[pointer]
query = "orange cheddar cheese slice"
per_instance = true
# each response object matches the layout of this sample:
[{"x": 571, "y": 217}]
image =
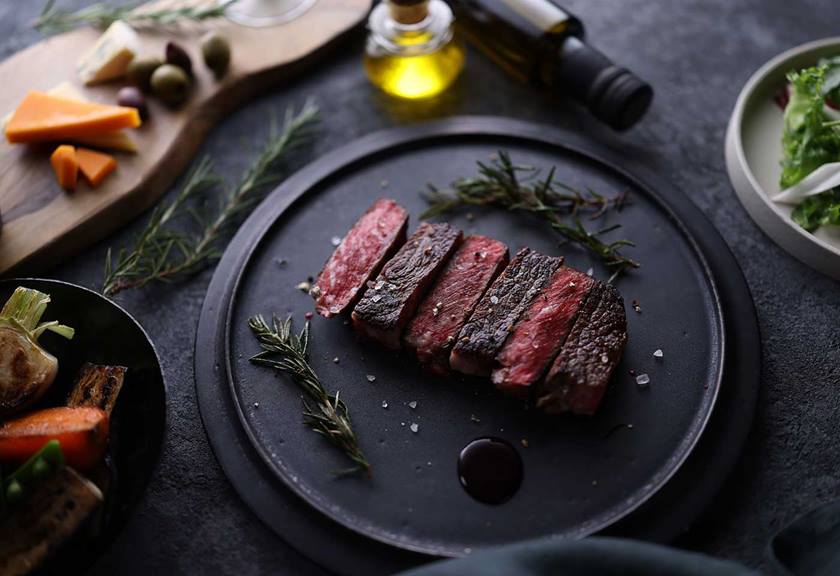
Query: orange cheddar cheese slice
[
  {"x": 64, "y": 165},
  {"x": 43, "y": 117},
  {"x": 94, "y": 166}
]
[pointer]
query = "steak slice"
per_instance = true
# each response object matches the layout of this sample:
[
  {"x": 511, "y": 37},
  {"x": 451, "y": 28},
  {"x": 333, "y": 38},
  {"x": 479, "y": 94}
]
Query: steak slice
[
  {"x": 445, "y": 309},
  {"x": 578, "y": 377},
  {"x": 541, "y": 331},
  {"x": 485, "y": 332},
  {"x": 373, "y": 239},
  {"x": 390, "y": 301}
]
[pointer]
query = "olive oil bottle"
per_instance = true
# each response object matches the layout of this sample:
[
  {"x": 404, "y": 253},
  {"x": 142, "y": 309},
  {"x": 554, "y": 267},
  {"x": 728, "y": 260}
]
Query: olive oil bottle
[
  {"x": 412, "y": 51},
  {"x": 540, "y": 42}
]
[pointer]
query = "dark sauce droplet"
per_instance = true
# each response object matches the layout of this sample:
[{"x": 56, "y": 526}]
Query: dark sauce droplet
[{"x": 490, "y": 470}]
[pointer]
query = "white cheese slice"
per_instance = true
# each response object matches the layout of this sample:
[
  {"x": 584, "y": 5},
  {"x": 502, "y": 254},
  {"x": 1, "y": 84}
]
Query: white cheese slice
[{"x": 110, "y": 56}]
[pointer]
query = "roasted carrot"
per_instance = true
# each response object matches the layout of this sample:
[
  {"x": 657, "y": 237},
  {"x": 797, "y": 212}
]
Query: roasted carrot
[
  {"x": 81, "y": 432},
  {"x": 65, "y": 166}
]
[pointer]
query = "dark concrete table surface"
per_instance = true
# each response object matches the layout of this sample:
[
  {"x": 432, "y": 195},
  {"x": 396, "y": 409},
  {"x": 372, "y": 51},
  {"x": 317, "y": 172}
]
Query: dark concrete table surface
[{"x": 697, "y": 54}]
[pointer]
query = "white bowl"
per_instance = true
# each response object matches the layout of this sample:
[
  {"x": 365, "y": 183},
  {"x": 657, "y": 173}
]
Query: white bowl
[{"x": 754, "y": 152}]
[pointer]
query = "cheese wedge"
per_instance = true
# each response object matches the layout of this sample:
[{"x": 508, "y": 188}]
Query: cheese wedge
[
  {"x": 94, "y": 166},
  {"x": 65, "y": 166},
  {"x": 43, "y": 118},
  {"x": 114, "y": 140},
  {"x": 109, "y": 58}
]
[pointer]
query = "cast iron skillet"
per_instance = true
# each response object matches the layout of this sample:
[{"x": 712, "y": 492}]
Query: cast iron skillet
[
  {"x": 582, "y": 476},
  {"x": 105, "y": 334}
]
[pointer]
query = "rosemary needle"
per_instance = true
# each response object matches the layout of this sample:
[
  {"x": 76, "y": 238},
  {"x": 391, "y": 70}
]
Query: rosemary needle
[
  {"x": 163, "y": 253},
  {"x": 503, "y": 184},
  {"x": 324, "y": 413},
  {"x": 53, "y": 20}
]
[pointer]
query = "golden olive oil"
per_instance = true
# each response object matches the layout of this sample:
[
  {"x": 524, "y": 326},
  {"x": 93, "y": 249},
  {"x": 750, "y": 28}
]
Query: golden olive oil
[{"x": 412, "y": 51}]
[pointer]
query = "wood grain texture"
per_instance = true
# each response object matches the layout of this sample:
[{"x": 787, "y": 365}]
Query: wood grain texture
[{"x": 43, "y": 224}]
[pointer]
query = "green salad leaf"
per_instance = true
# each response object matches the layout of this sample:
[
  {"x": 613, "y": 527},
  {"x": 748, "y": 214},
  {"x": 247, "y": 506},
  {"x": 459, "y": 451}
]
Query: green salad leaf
[
  {"x": 810, "y": 139},
  {"x": 820, "y": 210},
  {"x": 831, "y": 84}
]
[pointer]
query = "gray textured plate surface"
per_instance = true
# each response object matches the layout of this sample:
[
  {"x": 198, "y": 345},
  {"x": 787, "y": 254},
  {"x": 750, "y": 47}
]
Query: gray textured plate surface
[
  {"x": 581, "y": 475},
  {"x": 754, "y": 150}
]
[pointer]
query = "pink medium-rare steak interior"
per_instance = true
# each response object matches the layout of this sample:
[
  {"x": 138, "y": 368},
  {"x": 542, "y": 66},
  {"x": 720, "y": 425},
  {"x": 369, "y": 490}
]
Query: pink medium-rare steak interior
[
  {"x": 578, "y": 377},
  {"x": 450, "y": 301},
  {"x": 483, "y": 335},
  {"x": 541, "y": 331},
  {"x": 374, "y": 238},
  {"x": 391, "y": 300}
]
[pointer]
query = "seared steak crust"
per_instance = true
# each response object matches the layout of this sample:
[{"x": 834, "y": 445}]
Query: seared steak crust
[
  {"x": 541, "y": 331},
  {"x": 373, "y": 239},
  {"x": 485, "y": 332},
  {"x": 578, "y": 377},
  {"x": 391, "y": 300},
  {"x": 450, "y": 301}
]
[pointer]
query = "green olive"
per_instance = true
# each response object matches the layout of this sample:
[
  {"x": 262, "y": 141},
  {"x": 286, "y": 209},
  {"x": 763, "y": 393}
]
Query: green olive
[
  {"x": 140, "y": 71},
  {"x": 171, "y": 84},
  {"x": 216, "y": 51}
]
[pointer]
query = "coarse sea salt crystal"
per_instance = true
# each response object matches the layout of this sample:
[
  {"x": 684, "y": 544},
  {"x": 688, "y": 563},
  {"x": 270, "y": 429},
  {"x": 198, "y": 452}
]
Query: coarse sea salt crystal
[
  {"x": 412, "y": 404},
  {"x": 335, "y": 240},
  {"x": 642, "y": 379},
  {"x": 384, "y": 403},
  {"x": 371, "y": 378},
  {"x": 414, "y": 427},
  {"x": 658, "y": 353}
]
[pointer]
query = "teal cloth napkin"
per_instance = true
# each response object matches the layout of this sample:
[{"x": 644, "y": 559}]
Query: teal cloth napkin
[
  {"x": 587, "y": 557},
  {"x": 810, "y": 545}
]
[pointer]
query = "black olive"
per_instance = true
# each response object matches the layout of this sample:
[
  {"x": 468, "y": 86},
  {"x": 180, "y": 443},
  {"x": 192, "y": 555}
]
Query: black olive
[{"x": 132, "y": 97}]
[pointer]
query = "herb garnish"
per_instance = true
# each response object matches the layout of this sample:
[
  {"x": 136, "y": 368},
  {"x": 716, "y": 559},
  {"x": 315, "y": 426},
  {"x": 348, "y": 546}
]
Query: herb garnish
[
  {"x": 810, "y": 140},
  {"x": 100, "y": 15},
  {"x": 503, "y": 184},
  {"x": 163, "y": 254},
  {"x": 286, "y": 352}
]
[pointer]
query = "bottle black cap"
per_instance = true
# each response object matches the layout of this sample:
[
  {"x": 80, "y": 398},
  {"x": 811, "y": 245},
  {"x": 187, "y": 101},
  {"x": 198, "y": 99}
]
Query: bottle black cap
[{"x": 612, "y": 94}]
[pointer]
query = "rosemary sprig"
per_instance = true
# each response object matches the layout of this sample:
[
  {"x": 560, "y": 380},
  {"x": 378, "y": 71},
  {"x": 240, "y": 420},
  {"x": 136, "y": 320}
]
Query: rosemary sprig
[
  {"x": 503, "y": 184},
  {"x": 163, "y": 253},
  {"x": 54, "y": 20},
  {"x": 324, "y": 413}
]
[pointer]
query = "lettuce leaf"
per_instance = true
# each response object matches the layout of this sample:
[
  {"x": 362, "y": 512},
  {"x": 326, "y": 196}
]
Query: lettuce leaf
[
  {"x": 820, "y": 210},
  {"x": 807, "y": 141}
]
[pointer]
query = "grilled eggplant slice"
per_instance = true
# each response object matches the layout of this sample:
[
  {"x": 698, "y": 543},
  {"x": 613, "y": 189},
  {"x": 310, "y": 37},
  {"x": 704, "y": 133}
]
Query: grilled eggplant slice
[
  {"x": 48, "y": 517},
  {"x": 97, "y": 386}
]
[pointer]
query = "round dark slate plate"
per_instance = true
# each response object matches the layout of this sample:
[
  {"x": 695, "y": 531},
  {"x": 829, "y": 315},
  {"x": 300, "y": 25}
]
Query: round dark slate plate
[
  {"x": 105, "y": 334},
  {"x": 581, "y": 475}
]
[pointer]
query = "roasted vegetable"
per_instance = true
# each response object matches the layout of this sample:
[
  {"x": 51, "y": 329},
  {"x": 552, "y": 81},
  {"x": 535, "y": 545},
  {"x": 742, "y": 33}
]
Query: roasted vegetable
[
  {"x": 50, "y": 516},
  {"x": 81, "y": 432},
  {"x": 26, "y": 369},
  {"x": 97, "y": 386},
  {"x": 44, "y": 464}
]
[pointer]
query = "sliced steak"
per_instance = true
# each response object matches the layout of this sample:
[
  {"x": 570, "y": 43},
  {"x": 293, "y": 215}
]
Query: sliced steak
[
  {"x": 541, "y": 331},
  {"x": 445, "y": 309},
  {"x": 374, "y": 238},
  {"x": 482, "y": 337},
  {"x": 390, "y": 300},
  {"x": 578, "y": 377}
]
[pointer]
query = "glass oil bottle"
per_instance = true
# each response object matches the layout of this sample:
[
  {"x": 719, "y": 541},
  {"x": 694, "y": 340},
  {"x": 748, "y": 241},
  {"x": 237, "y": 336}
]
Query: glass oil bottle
[{"x": 412, "y": 51}]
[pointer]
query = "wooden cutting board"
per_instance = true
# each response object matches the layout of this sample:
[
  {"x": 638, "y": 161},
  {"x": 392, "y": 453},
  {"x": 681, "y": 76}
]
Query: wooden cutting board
[{"x": 42, "y": 224}]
